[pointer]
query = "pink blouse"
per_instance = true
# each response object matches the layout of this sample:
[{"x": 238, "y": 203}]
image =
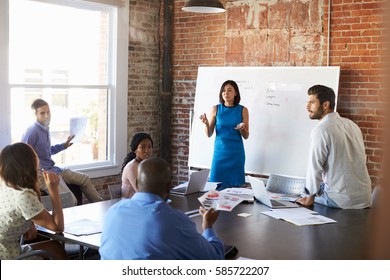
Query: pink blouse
[{"x": 129, "y": 176}]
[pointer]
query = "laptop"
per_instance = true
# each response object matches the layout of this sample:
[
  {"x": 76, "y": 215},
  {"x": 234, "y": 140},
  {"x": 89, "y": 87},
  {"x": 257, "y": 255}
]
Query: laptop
[
  {"x": 261, "y": 195},
  {"x": 196, "y": 183}
]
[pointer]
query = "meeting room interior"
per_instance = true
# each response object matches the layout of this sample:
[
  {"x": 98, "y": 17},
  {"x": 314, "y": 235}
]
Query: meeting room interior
[{"x": 120, "y": 67}]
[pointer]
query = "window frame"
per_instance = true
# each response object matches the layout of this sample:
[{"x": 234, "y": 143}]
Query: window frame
[{"x": 117, "y": 81}]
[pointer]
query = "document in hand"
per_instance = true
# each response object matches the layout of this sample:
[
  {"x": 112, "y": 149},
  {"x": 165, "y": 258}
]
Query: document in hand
[
  {"x": 219, "y": 200},
  {"x": 245, "y": 193}
]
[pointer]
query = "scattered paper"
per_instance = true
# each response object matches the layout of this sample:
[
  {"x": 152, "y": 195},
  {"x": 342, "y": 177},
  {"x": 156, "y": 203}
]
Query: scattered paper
[
  {"x": 219, "y": 200},
  {"x": 83, "y": 227},
  {"x": 244, "y": 259},
  {"x": 211, "y": 186},
  {"x": 245, "y": 215},
  {"x": 244, "y": 193},
  {"x": 299, "y": 216}
]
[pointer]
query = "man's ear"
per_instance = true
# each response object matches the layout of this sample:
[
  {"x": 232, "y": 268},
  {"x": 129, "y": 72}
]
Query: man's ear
[{"x": 326, "y": 105}]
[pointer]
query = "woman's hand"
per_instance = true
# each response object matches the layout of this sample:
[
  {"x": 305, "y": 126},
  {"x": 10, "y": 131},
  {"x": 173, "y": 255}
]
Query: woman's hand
[
  {"x": 243, "y": 130},
  {"x": 204, "y": 119},
  {"x": 52, "y": 180},
  {"x": 240, "y": 126}
]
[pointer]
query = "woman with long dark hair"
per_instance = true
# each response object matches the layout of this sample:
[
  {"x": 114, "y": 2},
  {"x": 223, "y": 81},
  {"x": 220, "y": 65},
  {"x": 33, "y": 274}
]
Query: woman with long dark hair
[
  {"x": 141, "y": 148},
  {"x": 20, "y": 203}
]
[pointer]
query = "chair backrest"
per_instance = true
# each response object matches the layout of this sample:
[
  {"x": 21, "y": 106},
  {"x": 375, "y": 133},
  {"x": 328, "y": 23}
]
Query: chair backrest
[
  {"x": 115, "y": 191},
  {"x": 285, "y": 184},
  {"x": 66, "y": 199}
]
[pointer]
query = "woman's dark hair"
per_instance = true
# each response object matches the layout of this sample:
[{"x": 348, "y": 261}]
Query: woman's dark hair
[
  {"x": 18, "y": 167},
  {"x": 237, "y": 98},
  {"x": 137, "y": 138}
]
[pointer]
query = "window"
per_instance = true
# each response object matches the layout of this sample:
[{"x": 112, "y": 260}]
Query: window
[{"x": 73, "y": 54}]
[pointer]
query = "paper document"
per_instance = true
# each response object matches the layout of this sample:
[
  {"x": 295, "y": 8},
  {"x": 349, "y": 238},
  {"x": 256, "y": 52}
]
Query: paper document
[
  {"x": 211, "y": 186},
  {"x": 83, "y": 227},
  {"x": 245, "y": 193},
  {"x": 219, "y": 200},
  {"x": 77, "y": 128},
  {"x": 299, "y": 216}
]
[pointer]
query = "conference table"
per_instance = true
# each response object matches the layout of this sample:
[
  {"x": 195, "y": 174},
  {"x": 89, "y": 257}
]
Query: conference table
[{"x": 256, "y": 236}]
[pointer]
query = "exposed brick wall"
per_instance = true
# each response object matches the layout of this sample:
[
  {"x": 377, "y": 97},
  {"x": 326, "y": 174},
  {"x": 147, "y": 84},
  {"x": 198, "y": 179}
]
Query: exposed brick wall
[
  {"x": 357, "y": 45},
  {"x": 144, "y": 60},
  {"x": 198, "y": 40},
  {"x": 277, "y": 33},
  {"x": 257, "y": 33},
  {"x": 274, "y": 33},
  {"x": 143, "y": 72}
]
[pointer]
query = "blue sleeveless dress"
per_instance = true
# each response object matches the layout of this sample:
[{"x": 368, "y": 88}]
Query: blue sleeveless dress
[{"x": 228, "y": 165}]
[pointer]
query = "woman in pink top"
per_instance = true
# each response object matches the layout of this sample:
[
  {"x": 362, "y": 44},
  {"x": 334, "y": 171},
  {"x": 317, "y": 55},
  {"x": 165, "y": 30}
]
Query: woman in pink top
[{"x": 141, "y": 148}]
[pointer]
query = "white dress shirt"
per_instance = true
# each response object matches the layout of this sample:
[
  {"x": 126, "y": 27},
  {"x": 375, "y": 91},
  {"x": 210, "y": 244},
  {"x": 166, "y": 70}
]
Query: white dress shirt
[{"x": 337, "y": 157}]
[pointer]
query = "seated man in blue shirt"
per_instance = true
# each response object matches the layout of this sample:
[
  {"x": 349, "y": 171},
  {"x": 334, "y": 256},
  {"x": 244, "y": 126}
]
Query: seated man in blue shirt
[
  {"x": 146, "y": 227},
  {"x": 38, "y": 137}
]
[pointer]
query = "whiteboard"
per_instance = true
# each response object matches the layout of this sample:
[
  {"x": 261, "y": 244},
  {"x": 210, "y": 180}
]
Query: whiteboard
[{"x": 279, "y": 125}]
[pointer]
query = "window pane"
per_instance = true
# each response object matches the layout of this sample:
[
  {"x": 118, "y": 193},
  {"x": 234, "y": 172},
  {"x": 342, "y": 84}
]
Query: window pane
[
  {"x": 86, "y": 107},
  {"x": 53, "y": 44},
  {"x": 60, "y": 53}
]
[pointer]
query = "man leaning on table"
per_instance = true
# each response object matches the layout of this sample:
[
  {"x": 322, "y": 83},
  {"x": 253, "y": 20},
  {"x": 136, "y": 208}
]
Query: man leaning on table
[
  {"x": 337, "y": 174},
  {"x": 146, "y": 227}
]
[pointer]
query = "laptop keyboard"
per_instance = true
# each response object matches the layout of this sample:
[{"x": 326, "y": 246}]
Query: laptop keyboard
[
  {"x": 181, "y": 189},
  {"x": 276, "y": 203}
]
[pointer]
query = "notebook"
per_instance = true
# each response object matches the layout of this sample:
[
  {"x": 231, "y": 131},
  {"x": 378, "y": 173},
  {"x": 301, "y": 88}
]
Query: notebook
[
  {"x": 261, "y": 195},
  {"x": 196, "y": 183}
]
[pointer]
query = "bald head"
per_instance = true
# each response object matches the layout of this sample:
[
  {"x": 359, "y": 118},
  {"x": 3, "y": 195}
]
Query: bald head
[{"x": 154, "y": 176}]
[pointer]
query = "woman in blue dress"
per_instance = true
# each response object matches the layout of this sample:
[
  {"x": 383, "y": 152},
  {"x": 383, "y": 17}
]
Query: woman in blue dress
[{"x": 231, "y": 123}]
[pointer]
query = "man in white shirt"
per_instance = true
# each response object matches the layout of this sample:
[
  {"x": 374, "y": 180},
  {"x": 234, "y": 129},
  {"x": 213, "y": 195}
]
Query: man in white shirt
[{"x": 337, "y": 174}]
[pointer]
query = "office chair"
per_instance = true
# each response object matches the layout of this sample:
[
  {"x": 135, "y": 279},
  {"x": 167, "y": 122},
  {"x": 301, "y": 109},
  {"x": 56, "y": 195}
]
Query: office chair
[
  {"x": 115, "y": 191},
  {"x": 286, "y": 185},
  {"x": 41, "y": 254},
  {"x": 66, "y": 199}
]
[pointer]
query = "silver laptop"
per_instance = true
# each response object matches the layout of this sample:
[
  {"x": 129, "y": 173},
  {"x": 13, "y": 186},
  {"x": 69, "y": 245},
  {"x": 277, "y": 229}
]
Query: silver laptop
[
  {"x": 261, "y": 195},
  {"x": 196, "y": 183}
]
